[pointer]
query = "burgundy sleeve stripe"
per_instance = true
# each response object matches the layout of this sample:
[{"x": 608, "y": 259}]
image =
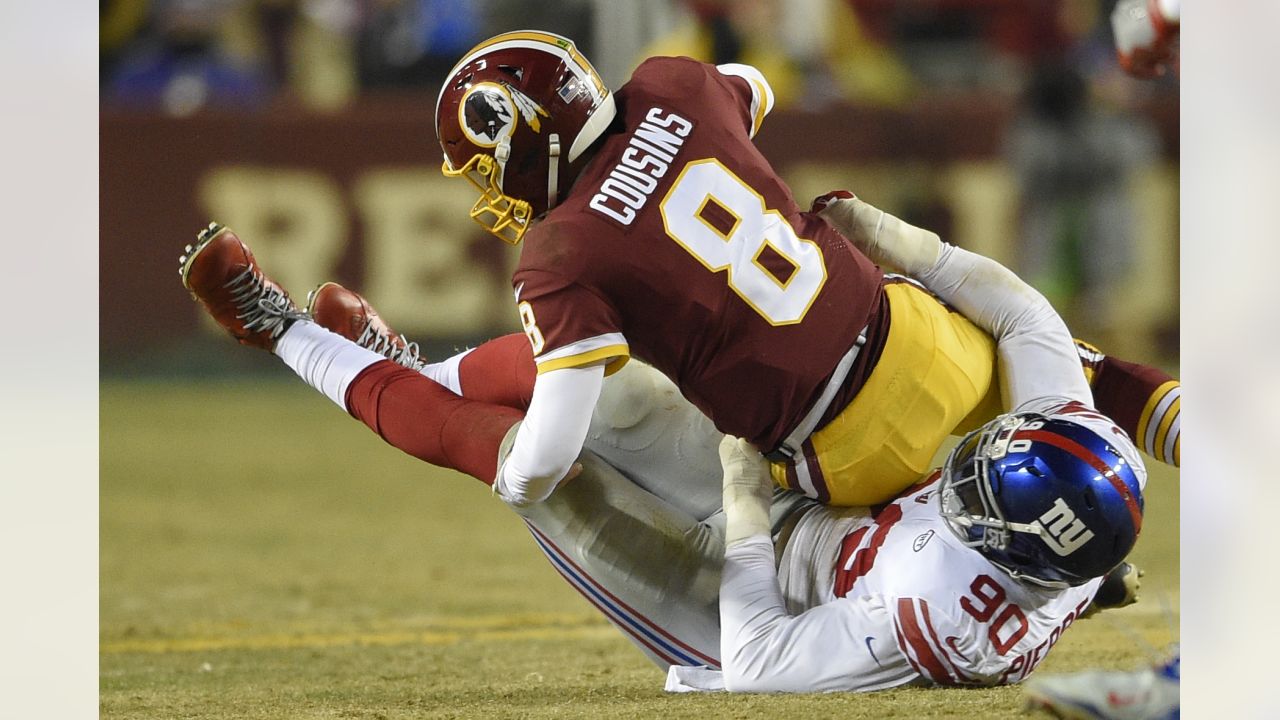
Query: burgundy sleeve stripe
[
  {"x": 816, "y": 476},
  {"x": 804, "y": 474},
  {"x": 1095, "y": 462},
  {"x": 929, "y": 660},
  {"x": 937, "y": 644}
]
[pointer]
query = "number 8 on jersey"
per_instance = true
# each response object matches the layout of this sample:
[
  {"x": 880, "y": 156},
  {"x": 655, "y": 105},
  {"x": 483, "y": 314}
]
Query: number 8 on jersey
[{"x": 754, "y": 229}]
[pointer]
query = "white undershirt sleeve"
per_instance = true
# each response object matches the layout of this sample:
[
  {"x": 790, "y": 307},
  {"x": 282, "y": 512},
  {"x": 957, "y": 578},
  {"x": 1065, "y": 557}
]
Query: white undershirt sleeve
[
  {"x": 551, "y": 436},
  {"x": 1037, "y": 353},
  {"x": 842, "y": 645}
]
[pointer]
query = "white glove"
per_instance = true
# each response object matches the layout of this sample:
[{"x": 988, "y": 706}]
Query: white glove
[
  {"x": 748, "y": 491},
  {"x": 880, "y": 236}
]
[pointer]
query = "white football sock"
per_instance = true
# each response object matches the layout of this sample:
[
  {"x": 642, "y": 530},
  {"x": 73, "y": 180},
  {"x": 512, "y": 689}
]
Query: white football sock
[
  {"x": 445, "y": 372},
  {"x": 326, "y": 361}
]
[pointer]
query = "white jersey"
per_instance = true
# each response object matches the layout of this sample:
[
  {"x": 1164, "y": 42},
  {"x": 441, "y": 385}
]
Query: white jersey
[
  {"x": 880, "y": 598},
  {"x": 875, "y": 598},
  {"x": 906, "y": 602}
]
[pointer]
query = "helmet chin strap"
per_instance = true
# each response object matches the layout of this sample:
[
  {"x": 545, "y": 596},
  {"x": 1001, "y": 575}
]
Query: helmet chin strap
[
  {"x": 553, "y": 170},
  {"x": 502, "y": 153}
]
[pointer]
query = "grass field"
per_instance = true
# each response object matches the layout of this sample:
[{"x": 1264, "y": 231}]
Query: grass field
[{"x": 265, "y": 556}]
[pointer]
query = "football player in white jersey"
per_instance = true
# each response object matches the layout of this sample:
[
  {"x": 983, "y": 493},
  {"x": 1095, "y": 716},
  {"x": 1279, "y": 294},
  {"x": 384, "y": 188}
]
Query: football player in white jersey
[{"x": 969, "y": 577}]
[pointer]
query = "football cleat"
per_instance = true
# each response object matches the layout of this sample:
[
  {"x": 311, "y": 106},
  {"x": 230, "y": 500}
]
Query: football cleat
[
  {"x": 1147, "y": 694},
  {"x": 346, "y": 313},
  {"x": 220, "y": 272}
]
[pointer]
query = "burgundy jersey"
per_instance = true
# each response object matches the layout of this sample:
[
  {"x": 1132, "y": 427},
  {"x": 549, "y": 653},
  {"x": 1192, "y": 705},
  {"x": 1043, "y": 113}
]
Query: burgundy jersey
[{"x": 679, "y": 244}]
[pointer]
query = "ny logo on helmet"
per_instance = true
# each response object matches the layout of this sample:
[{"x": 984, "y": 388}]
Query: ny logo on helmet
[{"x": 1063, "y": 532}]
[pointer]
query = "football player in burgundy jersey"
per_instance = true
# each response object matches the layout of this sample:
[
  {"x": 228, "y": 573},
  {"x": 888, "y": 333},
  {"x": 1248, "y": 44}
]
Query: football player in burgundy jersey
[
  {"x": 969, "y": 577},
  {"x": 653, "y": 227}
]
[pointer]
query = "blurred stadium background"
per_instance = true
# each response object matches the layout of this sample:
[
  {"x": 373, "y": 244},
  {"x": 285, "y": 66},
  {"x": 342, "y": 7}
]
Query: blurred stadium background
[
  {"x": 1005, "y": 125},
  {"x": 317, "y": 573}
]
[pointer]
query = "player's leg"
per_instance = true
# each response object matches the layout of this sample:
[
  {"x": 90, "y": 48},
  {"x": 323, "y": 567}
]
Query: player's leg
[
  {"x": 405, "y": 408},
  {"x": 426, "y": 420},
  {"x": 639, "y": 409},
  {"x": 650, "y": 569},
  {"x": 500, "y": 371},
  {"x": 1144, "y": 401},
  {"x": 648, "y": 565}
]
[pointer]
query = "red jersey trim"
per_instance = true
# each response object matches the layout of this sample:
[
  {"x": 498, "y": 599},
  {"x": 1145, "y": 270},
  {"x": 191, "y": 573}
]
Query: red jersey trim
[{"x": 909, "y": 626}]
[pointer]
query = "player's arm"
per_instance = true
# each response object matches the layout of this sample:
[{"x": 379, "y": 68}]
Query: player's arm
[
  {"x": 762, "y": 648},
  {"x": 1038, "y": 356},
  {"x": 574, "y": 346},
  {"x": 552, "y": 434},
  {"x": 846, "y": 645},
  {"x": 751, "y": 91}
]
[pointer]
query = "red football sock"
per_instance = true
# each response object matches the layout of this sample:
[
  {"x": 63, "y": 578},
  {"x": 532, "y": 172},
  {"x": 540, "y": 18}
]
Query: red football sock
[
  {"x": 500, "y": 371},
  {"x": 426, "y": 420}
]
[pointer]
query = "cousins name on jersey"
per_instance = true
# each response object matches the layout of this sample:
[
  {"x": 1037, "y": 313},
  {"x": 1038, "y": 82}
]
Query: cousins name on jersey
[{"x": 650, "y": 151}]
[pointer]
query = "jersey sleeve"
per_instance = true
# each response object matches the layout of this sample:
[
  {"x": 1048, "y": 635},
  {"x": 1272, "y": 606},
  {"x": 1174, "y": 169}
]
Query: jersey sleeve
[
  {"x": 752, "y": 92},
  {"x": 568, "y": 325},
  {"x": 940, "y": 647},
  {"x": 847, "y": 645}
]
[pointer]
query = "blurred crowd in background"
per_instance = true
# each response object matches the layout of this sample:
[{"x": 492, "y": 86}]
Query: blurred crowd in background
[
  {"x": 183, "y": 55},
  {"x": 1079, "y": 129}
]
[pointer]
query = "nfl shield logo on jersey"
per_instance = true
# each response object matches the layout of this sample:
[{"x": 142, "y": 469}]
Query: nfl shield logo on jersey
[{"x": 1063, "y": 532}]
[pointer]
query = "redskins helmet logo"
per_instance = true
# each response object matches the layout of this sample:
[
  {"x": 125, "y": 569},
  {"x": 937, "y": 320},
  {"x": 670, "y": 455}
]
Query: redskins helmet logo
[{"x": 488, "y": 113}]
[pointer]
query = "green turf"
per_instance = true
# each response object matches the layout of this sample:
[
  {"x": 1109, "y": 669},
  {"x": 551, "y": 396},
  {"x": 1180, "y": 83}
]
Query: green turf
[{"x": 265, "y": 556}]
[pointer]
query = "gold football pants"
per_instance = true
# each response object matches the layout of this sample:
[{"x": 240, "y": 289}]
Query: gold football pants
[{"x": 936, "y": 376}]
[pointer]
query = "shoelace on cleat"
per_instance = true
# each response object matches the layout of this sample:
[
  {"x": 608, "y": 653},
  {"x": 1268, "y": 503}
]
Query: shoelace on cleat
[
  {"x": 381, "y": 343},
  {"x": 259, "y": 307}
]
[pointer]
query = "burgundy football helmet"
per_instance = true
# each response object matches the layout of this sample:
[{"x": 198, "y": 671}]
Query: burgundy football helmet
[{"x": 514, "y": 118}]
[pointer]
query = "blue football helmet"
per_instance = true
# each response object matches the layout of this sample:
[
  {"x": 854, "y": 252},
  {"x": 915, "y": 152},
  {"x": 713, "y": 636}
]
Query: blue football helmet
[{"x": 1053, "y": 499}]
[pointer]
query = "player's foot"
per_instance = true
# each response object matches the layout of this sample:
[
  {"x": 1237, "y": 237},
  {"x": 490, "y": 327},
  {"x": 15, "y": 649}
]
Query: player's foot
[
  {"x": 346, "y": 313},
  {"x": 1147, "y": 694},
  {"x": 1119, "y": 587},
  {"x": 221, "y": 273}
]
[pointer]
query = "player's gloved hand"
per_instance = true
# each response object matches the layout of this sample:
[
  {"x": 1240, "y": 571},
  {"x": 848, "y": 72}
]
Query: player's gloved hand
[
  {"x": 1146, "y": 39},
  {"x": 747, "y": 488},
  {"x": 880, "y": 236}
]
